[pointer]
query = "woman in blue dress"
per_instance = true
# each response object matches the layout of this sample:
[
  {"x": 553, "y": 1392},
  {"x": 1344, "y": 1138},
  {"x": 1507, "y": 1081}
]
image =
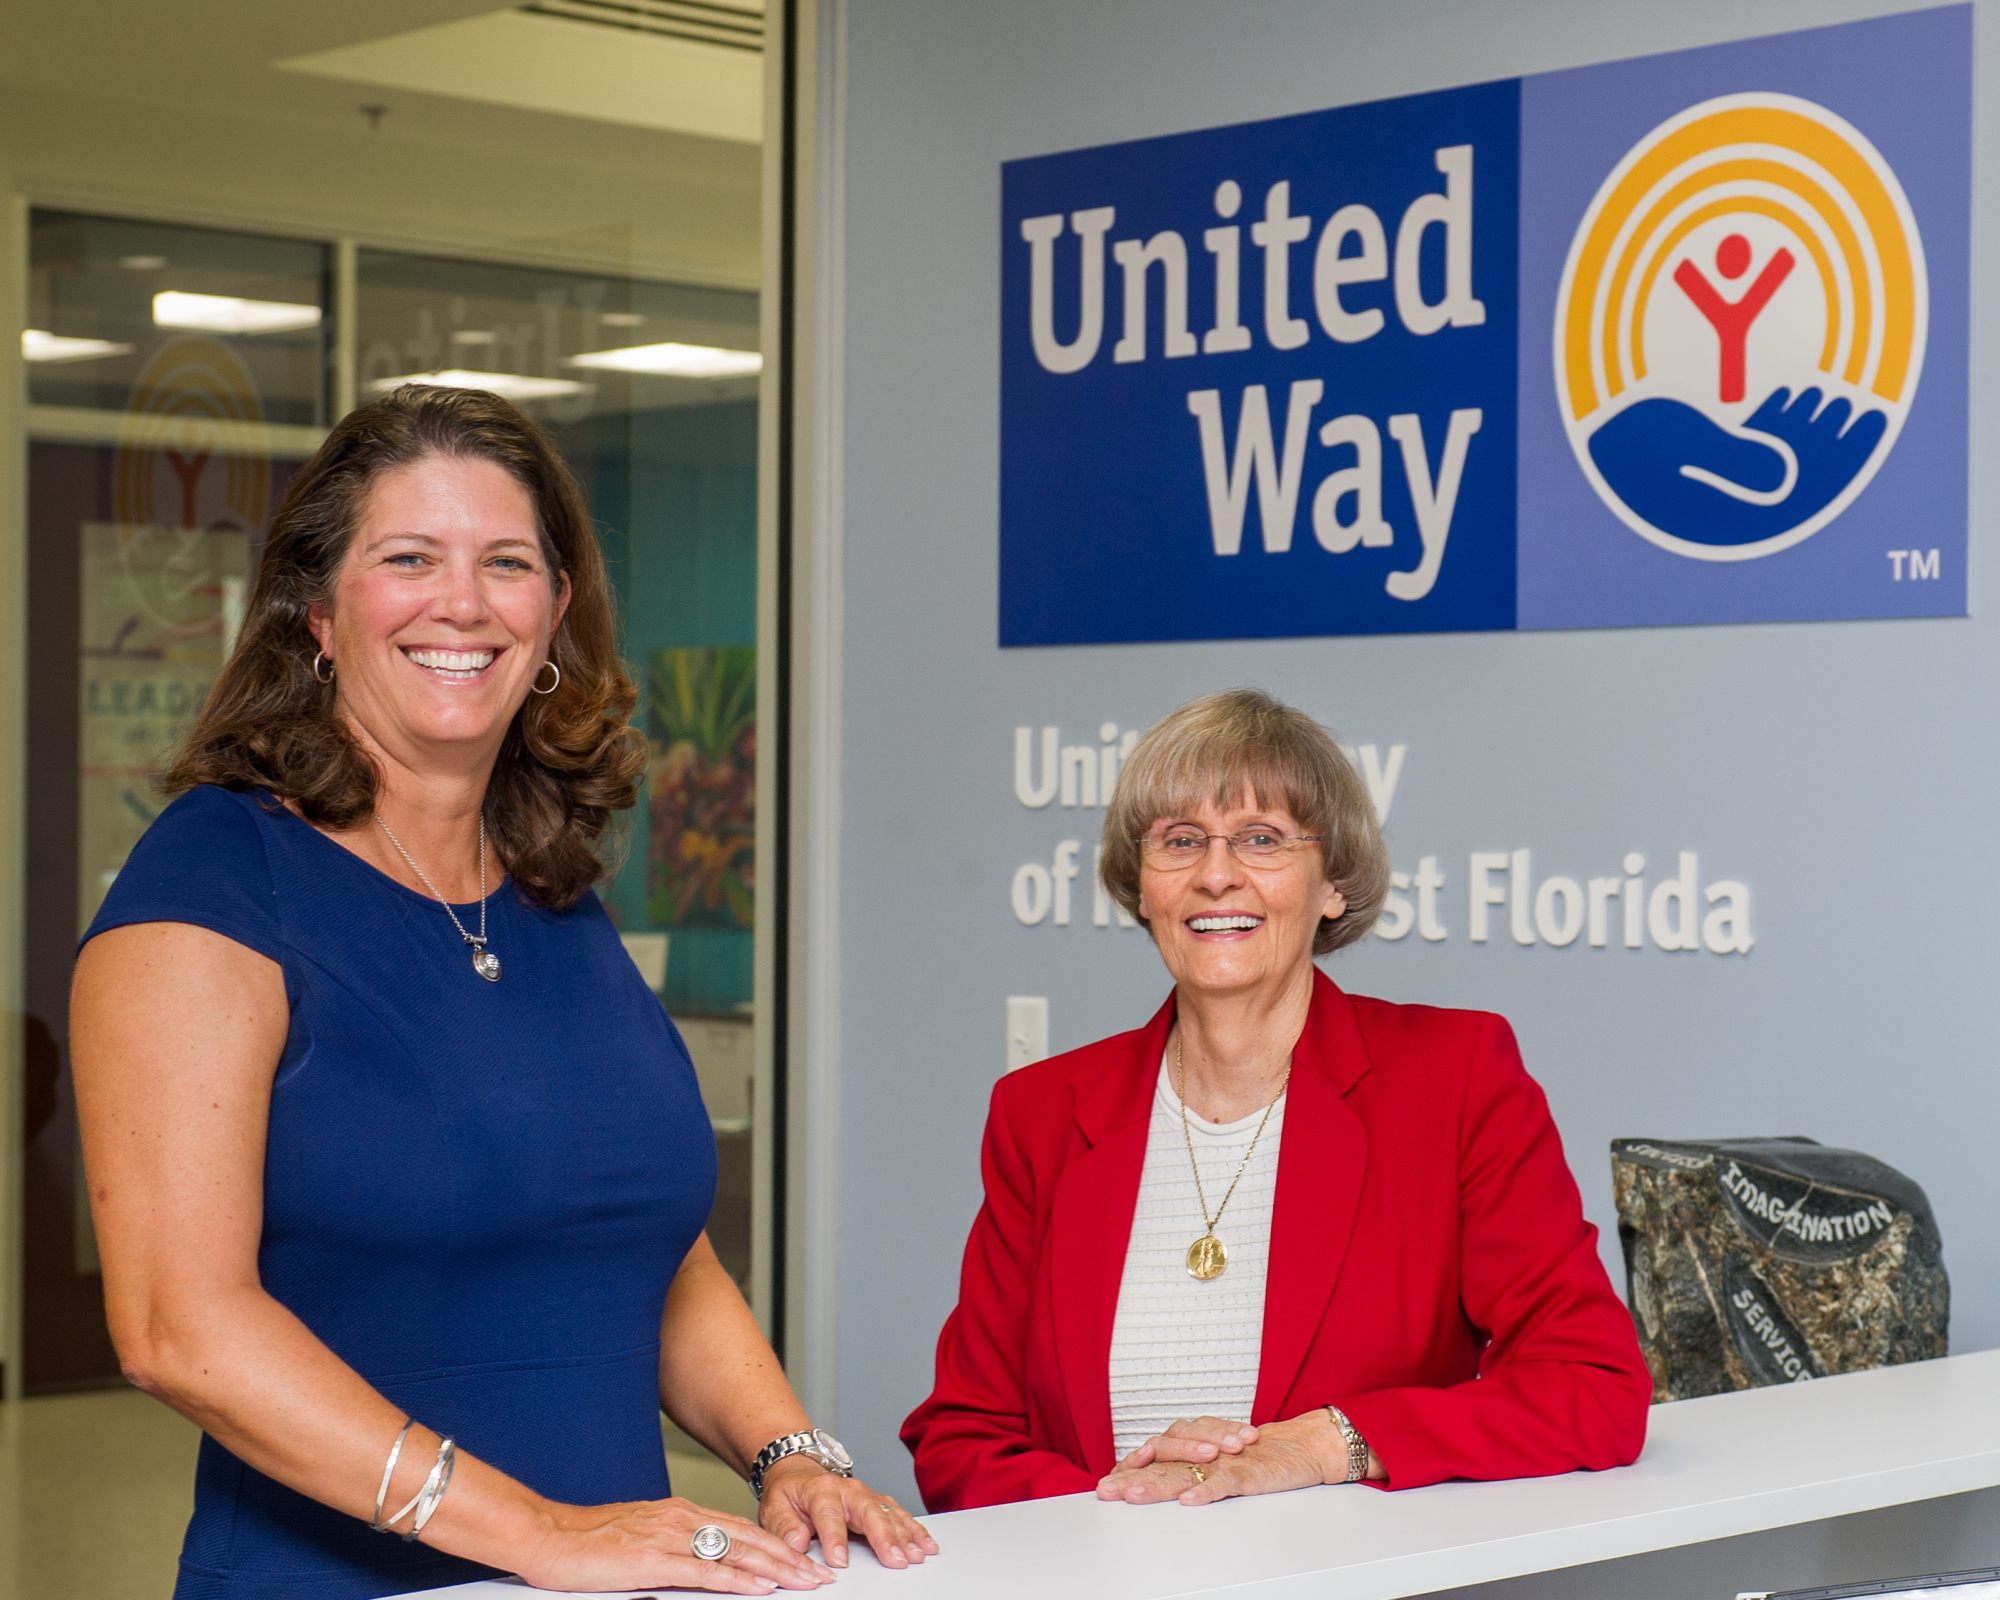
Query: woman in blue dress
[{"x": 399, "y": 1171}]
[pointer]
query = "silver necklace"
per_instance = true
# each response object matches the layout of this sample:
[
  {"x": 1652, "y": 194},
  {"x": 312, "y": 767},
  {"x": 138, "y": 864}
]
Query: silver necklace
[{"x": 484, "y": 961}]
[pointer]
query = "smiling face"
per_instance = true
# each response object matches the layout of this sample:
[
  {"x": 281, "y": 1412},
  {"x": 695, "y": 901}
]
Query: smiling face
[
  {"x": 442, "y": 611},
  {"x": 1224, "y": 927}
]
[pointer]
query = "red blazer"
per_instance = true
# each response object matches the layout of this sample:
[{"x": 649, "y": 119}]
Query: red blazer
[{"x": 1431, "y": 1272}]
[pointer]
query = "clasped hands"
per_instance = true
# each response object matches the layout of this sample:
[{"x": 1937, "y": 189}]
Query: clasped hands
[{"x": 1234, "y": 1458}]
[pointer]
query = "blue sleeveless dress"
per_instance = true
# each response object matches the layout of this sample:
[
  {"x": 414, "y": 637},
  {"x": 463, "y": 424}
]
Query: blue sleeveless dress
[{"x": 475, "y": 1193}]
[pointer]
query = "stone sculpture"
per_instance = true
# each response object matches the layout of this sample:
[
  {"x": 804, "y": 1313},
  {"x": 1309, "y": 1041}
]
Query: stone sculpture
[{"x": 1755, "y": 1261}]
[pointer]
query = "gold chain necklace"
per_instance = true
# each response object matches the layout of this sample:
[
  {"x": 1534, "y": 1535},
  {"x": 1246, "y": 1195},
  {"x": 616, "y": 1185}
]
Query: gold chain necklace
[{"x": 1208, "y": 1256}]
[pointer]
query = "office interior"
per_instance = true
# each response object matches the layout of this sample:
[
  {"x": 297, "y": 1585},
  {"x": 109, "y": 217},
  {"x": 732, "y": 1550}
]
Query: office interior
[
  {"x": 225, "y": 229},
  {"x": 739, "y": 257}
]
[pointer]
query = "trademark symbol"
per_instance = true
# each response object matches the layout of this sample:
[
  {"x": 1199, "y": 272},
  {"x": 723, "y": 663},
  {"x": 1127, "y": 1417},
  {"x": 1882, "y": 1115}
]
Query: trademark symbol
[{"x": 1923, "y": 563}]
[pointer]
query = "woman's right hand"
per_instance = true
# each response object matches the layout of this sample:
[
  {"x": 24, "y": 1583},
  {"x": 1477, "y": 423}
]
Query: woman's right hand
[
  {"x": 650, "y": 1544},
  {"x": 1192, "y": 1440}
]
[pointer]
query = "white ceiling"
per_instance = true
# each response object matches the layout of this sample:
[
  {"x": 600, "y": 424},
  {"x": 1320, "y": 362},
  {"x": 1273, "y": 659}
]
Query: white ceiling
[
  {"x": 573, "y": 68},
  {"x": 134, "y": 104}
]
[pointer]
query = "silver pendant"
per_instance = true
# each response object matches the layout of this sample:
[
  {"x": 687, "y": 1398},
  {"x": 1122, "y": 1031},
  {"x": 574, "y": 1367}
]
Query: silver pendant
[{"x": 487, "y": 965}]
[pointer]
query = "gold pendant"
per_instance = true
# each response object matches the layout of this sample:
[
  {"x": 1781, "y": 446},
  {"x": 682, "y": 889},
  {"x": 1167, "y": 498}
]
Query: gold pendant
[{"x": 1207, "y": 1258}]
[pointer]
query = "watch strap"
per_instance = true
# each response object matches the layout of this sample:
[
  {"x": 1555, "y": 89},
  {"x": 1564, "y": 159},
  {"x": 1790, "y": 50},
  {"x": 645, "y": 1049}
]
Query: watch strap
[
  {"x": 805, "y": 1442},
  {"x": 789, "y": 1444},
  {"x": 1357, "y": 1447}
]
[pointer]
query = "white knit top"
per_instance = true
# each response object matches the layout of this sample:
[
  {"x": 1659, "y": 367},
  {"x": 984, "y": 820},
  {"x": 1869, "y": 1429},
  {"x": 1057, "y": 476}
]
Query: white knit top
[{"x": 1181, "y": 1347}]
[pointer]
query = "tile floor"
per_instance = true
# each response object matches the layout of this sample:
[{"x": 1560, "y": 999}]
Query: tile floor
[
  {"x": 94, "y": 1493},
  {"x": 95, "y": 1488}
]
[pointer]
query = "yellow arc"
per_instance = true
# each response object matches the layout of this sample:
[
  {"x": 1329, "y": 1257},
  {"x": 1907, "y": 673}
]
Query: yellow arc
[
  {"x": 1778, "y": 175},
  {"x": 1748, "y": 125}
]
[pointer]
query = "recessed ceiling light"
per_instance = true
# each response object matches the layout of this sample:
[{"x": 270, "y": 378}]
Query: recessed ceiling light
[
  {"x": 475, "y": 336},
  {"x": 142, "y": 263},
  {"x": 620, "y": 319},
  {"x": 37, "y": 345},
  {"x": 674, "y": 361},
  {"x": 221, "y": 313},
  {"x": 509, "y": 385}
]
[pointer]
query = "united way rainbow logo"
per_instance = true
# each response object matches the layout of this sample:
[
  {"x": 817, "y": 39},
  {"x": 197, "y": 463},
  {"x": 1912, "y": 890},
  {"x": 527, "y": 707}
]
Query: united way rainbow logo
[{"x": 1740, "y": 328}]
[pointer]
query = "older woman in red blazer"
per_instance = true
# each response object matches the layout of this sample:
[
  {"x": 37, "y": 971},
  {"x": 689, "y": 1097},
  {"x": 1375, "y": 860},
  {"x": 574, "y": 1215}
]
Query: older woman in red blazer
[{"x": 1280, "y": 1235}]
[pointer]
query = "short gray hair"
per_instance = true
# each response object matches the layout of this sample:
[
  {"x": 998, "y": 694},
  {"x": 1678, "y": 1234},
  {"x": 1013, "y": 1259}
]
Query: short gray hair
[{"x": 1207, "y": 751}]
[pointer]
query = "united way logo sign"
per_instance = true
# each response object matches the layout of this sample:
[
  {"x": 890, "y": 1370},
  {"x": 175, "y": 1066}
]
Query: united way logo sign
[
  {"x": 1740, "y": 328},
  {"x": 1295, "y": 377}
]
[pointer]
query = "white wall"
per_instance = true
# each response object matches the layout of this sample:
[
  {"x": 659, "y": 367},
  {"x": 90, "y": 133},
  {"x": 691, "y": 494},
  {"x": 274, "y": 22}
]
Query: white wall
[{"x": 1845, "y": 771}]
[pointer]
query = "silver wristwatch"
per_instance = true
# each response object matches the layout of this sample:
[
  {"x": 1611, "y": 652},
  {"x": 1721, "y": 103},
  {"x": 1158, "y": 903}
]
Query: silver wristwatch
[
  {"x": 828, "y": 1451},
  {"x": 1357, "y": 1447}
]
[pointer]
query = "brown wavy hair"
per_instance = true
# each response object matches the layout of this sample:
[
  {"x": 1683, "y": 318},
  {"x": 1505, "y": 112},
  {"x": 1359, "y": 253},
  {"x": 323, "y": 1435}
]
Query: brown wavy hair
[
  {"x": 571, "y": 758},
  {"x": 1208, "y": 750}
]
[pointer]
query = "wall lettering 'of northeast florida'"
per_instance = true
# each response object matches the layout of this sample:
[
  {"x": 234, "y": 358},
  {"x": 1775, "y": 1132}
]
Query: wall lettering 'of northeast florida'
[
  {"x": 1259, "y": 381},
  {"x": 1507, "y": 896}
]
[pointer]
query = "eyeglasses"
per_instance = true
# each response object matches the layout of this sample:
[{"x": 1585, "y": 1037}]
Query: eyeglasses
[{"x": 1262, "y": 848}]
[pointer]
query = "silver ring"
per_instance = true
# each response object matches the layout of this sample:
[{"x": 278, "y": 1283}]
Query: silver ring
[{"x": 711, "y": 1543}]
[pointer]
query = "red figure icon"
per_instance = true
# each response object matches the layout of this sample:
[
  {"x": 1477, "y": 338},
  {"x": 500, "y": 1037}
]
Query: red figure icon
[{"x": 1731, "y": 319}]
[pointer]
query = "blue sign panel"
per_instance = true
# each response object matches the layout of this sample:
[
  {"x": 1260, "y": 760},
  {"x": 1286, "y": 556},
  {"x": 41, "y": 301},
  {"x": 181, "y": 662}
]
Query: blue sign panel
[
  {"x": 1677, "y": 340},
  {"x": 1260, "y": 381}
]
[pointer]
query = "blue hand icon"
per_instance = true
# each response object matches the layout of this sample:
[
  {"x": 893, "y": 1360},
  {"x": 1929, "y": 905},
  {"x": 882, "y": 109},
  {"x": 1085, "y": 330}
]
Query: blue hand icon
[{"x": 1645, "y": 453}]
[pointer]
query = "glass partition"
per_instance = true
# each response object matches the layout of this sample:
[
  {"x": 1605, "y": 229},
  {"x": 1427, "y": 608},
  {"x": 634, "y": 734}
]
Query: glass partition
[
  {"x": 223, "y": 234},
  {"x": 650, "y": 390},
  {"x": 126, "y": 315},
  {"x": 178, "y": 379}
]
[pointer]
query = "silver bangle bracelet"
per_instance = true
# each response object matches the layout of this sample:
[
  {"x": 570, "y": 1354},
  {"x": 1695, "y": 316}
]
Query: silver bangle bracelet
[
  {"x": 434, "y": 1487},
  {"x": 425, "y": 1501},
  {"x": 388, "y": 1472}
]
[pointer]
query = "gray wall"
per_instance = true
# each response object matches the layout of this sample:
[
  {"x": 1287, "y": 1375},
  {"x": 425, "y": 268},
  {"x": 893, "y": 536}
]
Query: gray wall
[{"x": 1844, "y": 771}]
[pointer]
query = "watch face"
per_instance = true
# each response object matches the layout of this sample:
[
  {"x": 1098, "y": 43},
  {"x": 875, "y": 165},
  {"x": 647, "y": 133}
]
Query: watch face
[{"x": 832, "y": 1452}]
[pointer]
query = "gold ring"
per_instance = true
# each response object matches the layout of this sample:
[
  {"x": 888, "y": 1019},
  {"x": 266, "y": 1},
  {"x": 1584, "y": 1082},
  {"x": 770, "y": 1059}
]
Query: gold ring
[
  {"x": 1199, "y": 1475},
  {"x": 883, "y": 1505}
]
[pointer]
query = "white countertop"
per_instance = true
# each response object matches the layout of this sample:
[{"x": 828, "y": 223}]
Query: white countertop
[{"x": 1712, "y": 1468}]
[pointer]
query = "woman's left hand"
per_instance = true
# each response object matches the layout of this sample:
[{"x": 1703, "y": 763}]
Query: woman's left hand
[
  {"x": 803, "y": 1501},
  {"x": 1206, "y": 1459}
]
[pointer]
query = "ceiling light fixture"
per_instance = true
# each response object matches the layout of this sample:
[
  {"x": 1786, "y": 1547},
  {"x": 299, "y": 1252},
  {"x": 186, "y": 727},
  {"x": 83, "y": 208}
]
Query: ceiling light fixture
[
  {"x": 41, "y": 346},
  {"x": 508, "y": 385},
  {"x": 142, "y": 263},
  {"x": 621, "y": 319},
  {"x": 221, "y": 313},
  {"x": 673, "y": 361}
]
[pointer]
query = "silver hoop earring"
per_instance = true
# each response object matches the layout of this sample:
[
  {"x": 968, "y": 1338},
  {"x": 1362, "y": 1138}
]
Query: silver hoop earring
[
  {"x": 318, "y": 657},
  {"x": 551, "y": 689}
]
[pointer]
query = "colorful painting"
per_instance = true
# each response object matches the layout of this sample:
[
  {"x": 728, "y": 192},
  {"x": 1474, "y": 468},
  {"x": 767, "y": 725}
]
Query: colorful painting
[{"x": 702, "y": 715}]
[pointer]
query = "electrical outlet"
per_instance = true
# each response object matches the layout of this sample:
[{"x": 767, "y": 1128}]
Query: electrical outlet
[{"x": 1027, "y": 1029}]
